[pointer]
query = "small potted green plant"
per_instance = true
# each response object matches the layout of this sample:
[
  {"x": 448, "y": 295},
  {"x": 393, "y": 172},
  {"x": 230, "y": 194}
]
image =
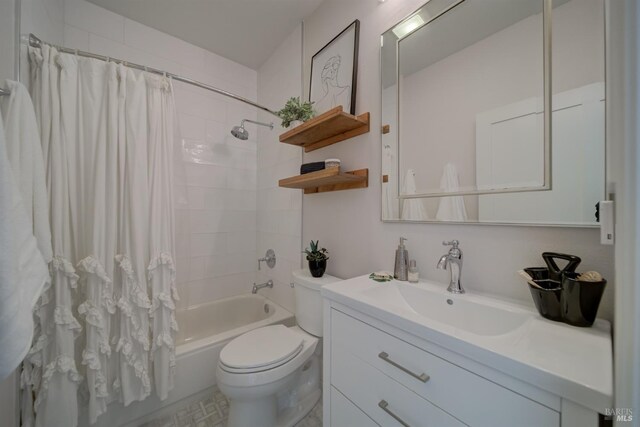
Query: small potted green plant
[
  {"x": 295, "y": 110},
  {"x": 317, "y": 259}
]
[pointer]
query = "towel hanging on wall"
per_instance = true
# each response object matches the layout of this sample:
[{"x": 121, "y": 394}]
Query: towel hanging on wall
[
  {"x": 451, "y": 208},
  {"x": 23, "y": 271},
  {"x": 412, "y": 209}
]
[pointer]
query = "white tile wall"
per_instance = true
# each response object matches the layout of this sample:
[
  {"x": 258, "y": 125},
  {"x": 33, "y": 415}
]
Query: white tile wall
[
  {"x": 279, "y": 209},
  {"x": 216, "y": 230}
]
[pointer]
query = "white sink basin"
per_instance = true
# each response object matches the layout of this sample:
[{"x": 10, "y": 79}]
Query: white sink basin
[
  {"x": 507, "y": 336},
  {"x": 470, "y": 313}
]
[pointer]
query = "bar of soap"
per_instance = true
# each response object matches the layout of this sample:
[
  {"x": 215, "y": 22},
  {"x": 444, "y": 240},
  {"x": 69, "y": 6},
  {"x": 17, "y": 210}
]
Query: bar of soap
[{"x": 381, "y": 276}]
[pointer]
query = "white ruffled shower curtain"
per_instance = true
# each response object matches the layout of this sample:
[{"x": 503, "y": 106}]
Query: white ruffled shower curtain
[{"x": 107, "y": 325}]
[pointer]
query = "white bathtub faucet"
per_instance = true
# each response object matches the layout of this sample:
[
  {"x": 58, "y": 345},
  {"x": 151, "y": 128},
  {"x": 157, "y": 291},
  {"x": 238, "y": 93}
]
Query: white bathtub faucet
[{"x": 269, "y": 284}]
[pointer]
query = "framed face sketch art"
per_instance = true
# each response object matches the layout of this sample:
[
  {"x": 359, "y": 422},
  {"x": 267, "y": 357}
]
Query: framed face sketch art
[{"x": 334, "y": 70}]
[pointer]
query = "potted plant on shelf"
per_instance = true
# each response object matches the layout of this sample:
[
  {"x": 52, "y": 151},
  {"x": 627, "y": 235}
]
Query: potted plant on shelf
[
  {"x": 295, "y": 110},
  {"x": 317, "y": 259}
]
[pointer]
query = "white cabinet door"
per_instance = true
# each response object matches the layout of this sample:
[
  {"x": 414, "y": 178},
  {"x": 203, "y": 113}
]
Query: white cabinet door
[
  {"x": 470, "y": 398},
  {"x": 386, "y": 401},
  {"x": 346, "y": 414}
]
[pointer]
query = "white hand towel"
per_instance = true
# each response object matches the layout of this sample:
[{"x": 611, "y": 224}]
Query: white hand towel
[
  {"x": 412, "y": 209},
  {"x": 23, "y": 271},
  {"x": 451, "y": 208},
  {"x": 24, "y": 151}
]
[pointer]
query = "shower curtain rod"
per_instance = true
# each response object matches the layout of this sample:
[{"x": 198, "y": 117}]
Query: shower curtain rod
[{"x": 37, "y": 43}]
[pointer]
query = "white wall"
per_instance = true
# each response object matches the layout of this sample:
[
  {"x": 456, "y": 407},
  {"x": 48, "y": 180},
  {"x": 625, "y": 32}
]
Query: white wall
[
  {"x": 348, "y": 222},
  {"x": 279, "y": 209},
  {"x": 216, "y": 225}
]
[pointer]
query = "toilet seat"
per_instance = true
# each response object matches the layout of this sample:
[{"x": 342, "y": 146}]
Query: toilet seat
[{"x": 261, "y": 349}]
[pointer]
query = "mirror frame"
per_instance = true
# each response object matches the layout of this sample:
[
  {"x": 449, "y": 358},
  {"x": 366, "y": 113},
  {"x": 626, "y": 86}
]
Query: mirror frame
[{"x": 547, "y": 100}]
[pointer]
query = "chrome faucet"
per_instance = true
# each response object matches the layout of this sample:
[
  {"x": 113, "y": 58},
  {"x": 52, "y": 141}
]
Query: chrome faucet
[
  {"x": 453, "y": 259},
  {"x": 269, "y": 284}
]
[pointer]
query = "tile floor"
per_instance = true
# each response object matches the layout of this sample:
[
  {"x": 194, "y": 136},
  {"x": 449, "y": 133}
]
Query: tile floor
[{"x": 213, "y": 412}]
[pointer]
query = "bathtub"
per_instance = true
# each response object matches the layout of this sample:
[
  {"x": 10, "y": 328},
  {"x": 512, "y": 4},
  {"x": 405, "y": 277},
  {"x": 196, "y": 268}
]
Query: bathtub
[
  {"x": 204, "y": 330},
  {"x": 210, "y": 324}
]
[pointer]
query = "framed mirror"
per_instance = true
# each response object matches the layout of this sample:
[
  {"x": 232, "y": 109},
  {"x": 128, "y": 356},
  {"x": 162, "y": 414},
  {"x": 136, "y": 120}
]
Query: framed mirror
[{"x": 468, "y": 111}]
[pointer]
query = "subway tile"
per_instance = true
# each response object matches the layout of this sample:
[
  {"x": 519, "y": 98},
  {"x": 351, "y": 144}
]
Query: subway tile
[
  {"x": 182, "y": 231},
  {"x": 210, "y": 176},
  {"x": 191, "y": 127},
  {"x": 199, "y": 103},
  {"x": 196, "y": 196},
  {"x": 118, "y": 50},
  {"x": 243, "y": 158},
  {"x": 290, "y": 223},
  {"x": 94, "y": 19},
  {"x": 161, "y": 44},
  {"x": 241, "y": 242},
  {"x": 182, "y": 270},
  {"x": 241, "y": 200},
  {"x": 208, "y": 244},
  {"x": 206, "y": 221},
  {"x": 202, "y": 152},
  {"x": 241, "y": 179},
  {"x": 203, "y": 290},
  {"x": 76, "y": 38},
  {"x": 216, "y": 199},
  {"x": 217, "y": 131},
  {"x": 243, "y": 262},
  {"x": 216, "y": 266},
  {"x": 232, "y": 72},
  {"x": 196, "y": 268},
  {"x": 42, "y": 23},
  {"x": 239, "y": 221},
  {"x": 54, "y": 8}
]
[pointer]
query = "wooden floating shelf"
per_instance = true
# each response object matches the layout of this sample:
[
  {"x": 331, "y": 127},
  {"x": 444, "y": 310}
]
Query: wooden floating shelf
[
  {"x": 330, "y": 179},
  {"x": 328, "y": 128}
]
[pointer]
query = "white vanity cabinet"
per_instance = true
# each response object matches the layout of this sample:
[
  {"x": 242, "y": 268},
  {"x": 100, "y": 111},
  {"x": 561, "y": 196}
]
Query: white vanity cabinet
[
  {"x": 370, "y": 365},
  {"x": 378, "y": 374},
  {"x": 385, "y": 377}
]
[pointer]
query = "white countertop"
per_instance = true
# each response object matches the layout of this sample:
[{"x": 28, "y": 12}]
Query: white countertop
[{"x": 571, "y": 362}]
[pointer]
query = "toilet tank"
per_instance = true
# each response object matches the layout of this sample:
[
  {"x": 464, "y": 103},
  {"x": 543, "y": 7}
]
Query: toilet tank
[{"x": 309, "y": 301}]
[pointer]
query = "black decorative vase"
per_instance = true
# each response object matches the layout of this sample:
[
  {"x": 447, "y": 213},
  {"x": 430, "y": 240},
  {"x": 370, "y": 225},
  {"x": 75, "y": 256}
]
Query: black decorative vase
[{"x": 317, "y": 268}]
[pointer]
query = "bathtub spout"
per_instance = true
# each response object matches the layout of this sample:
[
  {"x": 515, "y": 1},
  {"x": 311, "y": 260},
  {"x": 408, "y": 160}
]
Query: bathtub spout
[{"x": 269, "y": 284}]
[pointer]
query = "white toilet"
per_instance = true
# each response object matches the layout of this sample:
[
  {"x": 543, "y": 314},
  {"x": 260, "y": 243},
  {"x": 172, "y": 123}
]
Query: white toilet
[{"x": 271, "y": 375}]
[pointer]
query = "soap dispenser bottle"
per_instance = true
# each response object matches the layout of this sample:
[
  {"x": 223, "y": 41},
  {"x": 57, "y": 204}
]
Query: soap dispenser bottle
[{"x": 402, "y": 260}]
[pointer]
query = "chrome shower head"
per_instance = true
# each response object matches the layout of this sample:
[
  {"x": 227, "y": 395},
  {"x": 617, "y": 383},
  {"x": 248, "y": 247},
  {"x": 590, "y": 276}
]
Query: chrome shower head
[{"x": 241, "y": 133}]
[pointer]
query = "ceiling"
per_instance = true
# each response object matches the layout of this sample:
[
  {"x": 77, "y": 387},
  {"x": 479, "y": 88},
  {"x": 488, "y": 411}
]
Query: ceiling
[{"x": 245, "y": 31}]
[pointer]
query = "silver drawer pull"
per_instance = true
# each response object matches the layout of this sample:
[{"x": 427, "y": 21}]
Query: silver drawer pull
[
  {"x": 385, "y": 407},
  {"x": 422, "y": 377}
]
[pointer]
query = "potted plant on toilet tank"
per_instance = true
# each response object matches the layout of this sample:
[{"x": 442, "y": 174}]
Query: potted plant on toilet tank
[{"x": 317, "y": 259}]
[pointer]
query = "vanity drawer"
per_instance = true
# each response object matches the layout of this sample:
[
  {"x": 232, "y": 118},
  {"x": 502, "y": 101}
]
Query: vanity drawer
[
  {"x": 371, "y": 390},
  {"x": 344, "y": 413},
  {"x": 474, "y": 400}
]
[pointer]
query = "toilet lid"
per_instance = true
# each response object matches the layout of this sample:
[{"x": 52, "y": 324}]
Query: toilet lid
[{"x": 262, "y": 348}]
